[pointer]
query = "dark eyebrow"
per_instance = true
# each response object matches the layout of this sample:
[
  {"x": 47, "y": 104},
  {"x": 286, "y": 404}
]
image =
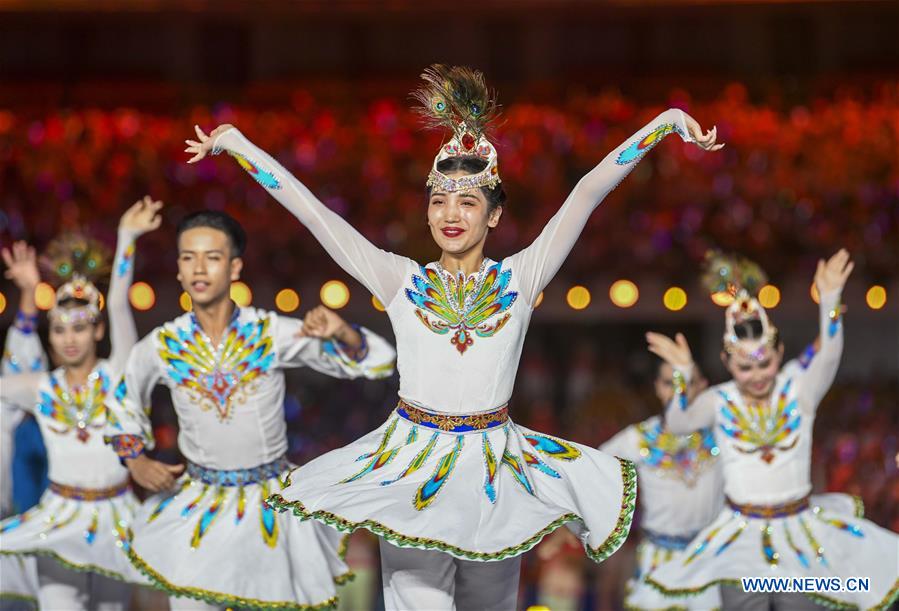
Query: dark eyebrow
[{"x": 193, "y": 252}]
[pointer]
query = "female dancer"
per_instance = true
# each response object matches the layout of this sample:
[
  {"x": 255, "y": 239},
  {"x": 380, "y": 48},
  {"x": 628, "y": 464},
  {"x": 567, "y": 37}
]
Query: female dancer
[
  {"x": 83, "y": 520},
  {"x": 449, "y": 481},
  {"x": 763, "y": 421},
  {"x": 680, "y": 492}
]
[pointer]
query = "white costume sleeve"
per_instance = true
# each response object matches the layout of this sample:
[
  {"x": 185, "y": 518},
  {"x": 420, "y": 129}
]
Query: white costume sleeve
[
  {"x": 815, "y": 380},
  {"x": 128, "y": 427},
  {"x": 122, "y": 331},
  {"x": 376, "y": 358},
  {"x": 538, "y": 263},
  {"x": 23, "y": 351},
  {"x": 683, "y": 417},
  {"x": 381, "y": 272},
  {"x": 18, "y": 394}
]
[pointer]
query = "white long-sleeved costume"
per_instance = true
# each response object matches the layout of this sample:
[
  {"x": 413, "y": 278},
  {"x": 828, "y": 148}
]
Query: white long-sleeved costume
[
  {"x": 448, "y": 470},
  {"x": 771, "y": 528},
  {"x": 83, "y": 519},
  {"x": 681, "y": 492},
  {"x": 212, "y": 538}
]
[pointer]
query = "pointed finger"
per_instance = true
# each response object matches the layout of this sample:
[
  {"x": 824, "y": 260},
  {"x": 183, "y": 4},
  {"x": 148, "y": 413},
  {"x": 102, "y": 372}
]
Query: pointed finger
[{"x": 200, "y": 134}]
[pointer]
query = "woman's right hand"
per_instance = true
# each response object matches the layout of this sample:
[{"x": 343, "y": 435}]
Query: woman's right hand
[
  {"x": 707, "y": 141},
  {"x": 21, "y": 266},
  {"x": 675, "y": 352},
  {"x": 203, "y": 144}
]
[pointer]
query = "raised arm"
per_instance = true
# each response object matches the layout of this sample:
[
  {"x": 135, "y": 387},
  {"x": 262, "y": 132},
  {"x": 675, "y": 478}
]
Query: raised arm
[
  {"x": 815, "y": 380},
  {"x": 18, "y": 394},
  {"x": 325, "y": 342},
  {"x": 140, "y": 218},
  {"x": 381, "y": 272},
  {"x": 538, "y": 263},
  {"x": 683, "y": 415},
  {"x": 23, "y": 351}
]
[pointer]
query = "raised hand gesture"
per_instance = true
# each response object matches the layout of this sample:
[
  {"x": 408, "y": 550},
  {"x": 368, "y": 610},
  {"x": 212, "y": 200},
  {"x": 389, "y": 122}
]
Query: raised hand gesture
[
  {"x": 21, "y": 266},
  {"x": 203, "y": 144},
  {"x": 704, "y": 140},
  {"x": 832, "y": 275},
  {"x": 675, "y": 352},
  {"x": 142, "y": 217}
]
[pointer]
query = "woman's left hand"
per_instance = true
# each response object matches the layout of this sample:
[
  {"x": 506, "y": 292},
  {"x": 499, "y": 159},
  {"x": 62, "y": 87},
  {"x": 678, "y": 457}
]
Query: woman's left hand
[
  {"x": 706, "y": 141},
  {"x": 832, "y": 275},
  {"x": 203, "y": 144}
]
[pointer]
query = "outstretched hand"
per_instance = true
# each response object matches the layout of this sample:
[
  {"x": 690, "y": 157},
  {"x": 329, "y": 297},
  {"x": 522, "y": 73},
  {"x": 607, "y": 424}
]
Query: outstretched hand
[
  {"x": 203, "y": 144},
  {"x": 674, "y": 352},
  {"x": 707, "y": 141},
  {"x": 21, "y": 266},
  {"x": 142, "y": 217},
  {"x": 832, "y": 275}
]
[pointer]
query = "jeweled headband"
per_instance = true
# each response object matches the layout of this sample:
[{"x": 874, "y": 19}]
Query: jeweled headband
[
  {"x": 457, "y": 98},
  {"x": 83, "y": 290}
]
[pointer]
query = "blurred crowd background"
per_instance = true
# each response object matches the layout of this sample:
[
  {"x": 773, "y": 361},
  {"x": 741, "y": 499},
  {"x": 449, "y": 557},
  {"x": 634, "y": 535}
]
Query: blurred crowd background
[{"x": 96, "y": 101}]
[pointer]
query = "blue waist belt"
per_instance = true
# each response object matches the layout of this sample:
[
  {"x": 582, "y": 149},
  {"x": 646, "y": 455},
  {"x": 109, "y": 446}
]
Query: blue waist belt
[
  {"x": 673, "y": 542},
  {"x": 238, "y": 477},
  {"x": 454, "y": 423}
]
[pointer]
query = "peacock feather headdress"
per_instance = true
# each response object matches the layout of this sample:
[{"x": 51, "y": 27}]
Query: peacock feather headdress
[
  {"x": 74, "y": 263},
  {"x": 457, "y": 98},
  {"x": 742, "y": 279}
]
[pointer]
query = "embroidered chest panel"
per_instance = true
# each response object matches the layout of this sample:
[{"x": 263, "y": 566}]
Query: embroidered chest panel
[
  {"x": 462, "y": 307},
  {"x": 218, "y": 378},
  {"x": 766, "y": 428},
  {"x": 683, "y": 457},
  {"x": 81, "y": 409}
]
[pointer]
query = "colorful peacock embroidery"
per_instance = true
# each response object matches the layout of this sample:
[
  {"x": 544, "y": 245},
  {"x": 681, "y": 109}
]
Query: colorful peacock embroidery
[
  {"x": 761, "y": 427},
  {"x": 80, "y": 409},
  {"x": 684, "y": 457},
  {"x": 462, "y": 305},
  {"x": 640, "y": 147},
  {"x": 217, "y": 378}
]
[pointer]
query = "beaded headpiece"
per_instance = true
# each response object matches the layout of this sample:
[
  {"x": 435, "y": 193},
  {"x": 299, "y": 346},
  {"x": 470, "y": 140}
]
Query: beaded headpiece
[
  {"x": 742, "y": 279},
  {"x": 74, "y": 262},
  {"x": 457, "y": 98}
]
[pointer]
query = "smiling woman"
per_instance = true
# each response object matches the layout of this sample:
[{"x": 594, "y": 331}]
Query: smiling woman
[{"x": 460, "y": 323}]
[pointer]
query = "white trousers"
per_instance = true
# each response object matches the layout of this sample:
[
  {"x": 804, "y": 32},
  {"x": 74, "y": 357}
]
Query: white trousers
[
  {"x": 62, "y": 588},
  {"x": 426, "y": 580}
]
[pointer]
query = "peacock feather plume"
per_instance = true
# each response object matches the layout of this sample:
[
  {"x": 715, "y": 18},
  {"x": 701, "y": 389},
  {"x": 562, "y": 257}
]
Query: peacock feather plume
[
  {"x": 732, "y": 274},
  {"x": 457, "y": 98},
  {"x": 74, "y": 254}
]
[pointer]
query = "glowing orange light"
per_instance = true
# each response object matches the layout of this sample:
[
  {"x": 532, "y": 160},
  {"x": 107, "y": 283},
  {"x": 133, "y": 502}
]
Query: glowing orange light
[
  {"x": 675, "y": 298},
  {"x": 2, "y": 303},
  {"x": 578, "y": 297},
  {"x": 876, "y": 297},
  {"x": 624, "y": 293},
  {"x": 539, "y": 300},
  {"x": 769, "y": 296},
  {"x": 142, "y": 296},
  {"x": 241, "y": 294},
  {"x": 44, "y": 296},
  {"x": 185, "y": 301},
  {"x": 813, "y": 291},
  {"x": 335, "y": 294},
  {"x": 376, "y": 304},
  {"x": 287, "y": 300}
]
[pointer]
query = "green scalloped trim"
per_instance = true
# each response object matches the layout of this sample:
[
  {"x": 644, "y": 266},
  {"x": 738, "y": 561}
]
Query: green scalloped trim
[
  {"x": 607, "y": 548},
  {"x": 83, "y": 568},
  {"x": 219, "y": 598},
  {"x": 821, "y": 599},
  {"x": 31, "y": 600}
]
